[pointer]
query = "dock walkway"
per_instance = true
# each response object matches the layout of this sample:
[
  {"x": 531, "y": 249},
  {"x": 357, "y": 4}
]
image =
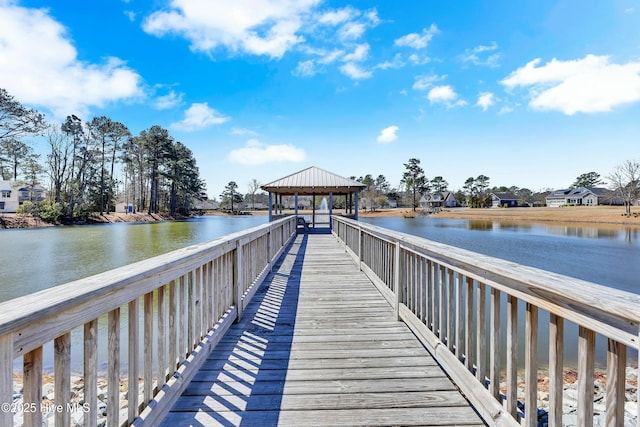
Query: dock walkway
[{"x": 320, "y": 346}]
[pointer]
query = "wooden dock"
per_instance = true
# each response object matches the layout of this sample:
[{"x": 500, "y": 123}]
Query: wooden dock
[{"x": 319, "y": 345}]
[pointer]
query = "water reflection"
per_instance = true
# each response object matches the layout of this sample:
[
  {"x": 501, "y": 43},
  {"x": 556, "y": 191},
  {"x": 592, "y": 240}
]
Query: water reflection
[
  {"x": 605, "y": 254},
  {"x": 36, "y": 259}
]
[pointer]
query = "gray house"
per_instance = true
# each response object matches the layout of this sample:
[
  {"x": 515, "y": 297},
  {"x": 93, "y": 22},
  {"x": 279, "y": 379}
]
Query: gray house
[
  {"x": 438, "y": 200},
  {"x": 580, "y": 196}
]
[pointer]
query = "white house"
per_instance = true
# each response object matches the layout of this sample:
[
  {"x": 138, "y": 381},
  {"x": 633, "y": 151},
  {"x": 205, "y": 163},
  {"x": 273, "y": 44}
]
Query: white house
[
  {"x": 439, "y": 200},
  {"x": 13, "y": 194}
]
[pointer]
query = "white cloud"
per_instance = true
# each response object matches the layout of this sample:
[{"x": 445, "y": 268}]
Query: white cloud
[
  {"x": 416, "y": 59},
  {"x": 360, "y": 53},
  {"x": 354, "y": 71},
  {"x": 397, "y": 62},
  {"x": 388, "y": 135},
  {"x": 444, "y": 95},
  {"x": 425, "y": 81},
  {"x": 588, "y": 85},
  {"x": 167, "y": 101},
  {"x": 257, "y": 153},
  {"x": 260, "y": 27},
  {"x": 305, "y": 69},
  {"x": 418, "y": 41},
  {"x": 199, "y": 116},
  {"x": 243, "y": 132},
  {"x": 505, "y": 110},
  {"x": 131, "y": 15},
  {"x": 336, "y": 17},
  {"x": 477, "y": 55},
  {"x": 40, "y": 67},
  {"x": 485, "y": 100},
  {"x": 352, "y": 31}
]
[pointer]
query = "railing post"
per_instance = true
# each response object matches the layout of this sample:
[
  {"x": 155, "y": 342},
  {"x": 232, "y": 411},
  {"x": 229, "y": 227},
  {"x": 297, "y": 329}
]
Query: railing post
[
  {"x": 396, "y": 280},
  {"x": 237, "y": 280},
  {"x": 6, "y": 377},
  {"x": 360, "y": 248}
]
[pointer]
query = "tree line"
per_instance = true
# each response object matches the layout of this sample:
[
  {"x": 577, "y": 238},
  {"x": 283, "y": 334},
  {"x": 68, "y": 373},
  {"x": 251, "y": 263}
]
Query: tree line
[
  {"x": 92, "y": 164},
  {"x": 624, "y": 182}
]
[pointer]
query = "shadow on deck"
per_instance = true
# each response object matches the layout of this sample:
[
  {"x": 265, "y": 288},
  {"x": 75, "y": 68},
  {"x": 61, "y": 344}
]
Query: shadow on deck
[
  {"x": 242, "y": 382},
  {"x": 319, "y": 346}
]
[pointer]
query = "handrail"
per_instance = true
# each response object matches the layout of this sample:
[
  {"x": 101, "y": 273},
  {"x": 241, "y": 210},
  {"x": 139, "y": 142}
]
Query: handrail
[
  {"x": 185, "y": 300},
  {"x": 441, "y": 293}
]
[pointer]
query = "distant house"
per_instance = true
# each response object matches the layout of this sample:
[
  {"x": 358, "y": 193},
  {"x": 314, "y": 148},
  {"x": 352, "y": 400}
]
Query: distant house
[
  {"x": 438, "y": 200},
  {"x": 13, "y": 195},
  {"x": 501, "y": 200},
  {"x": 125, "y": 208},
  {"x": 580, "y": 196},
  {"x": 390, "y": 203}
]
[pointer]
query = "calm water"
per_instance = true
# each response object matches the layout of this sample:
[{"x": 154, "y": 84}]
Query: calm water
[
  {"x": 37, "y": 259},
  {"x": 607, "y": 255}
]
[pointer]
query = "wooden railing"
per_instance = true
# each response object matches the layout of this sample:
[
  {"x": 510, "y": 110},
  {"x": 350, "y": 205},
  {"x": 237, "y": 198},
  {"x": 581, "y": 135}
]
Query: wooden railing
[
  {"x": 460, "y": 304},
  {"x": 176, "y": 307}
]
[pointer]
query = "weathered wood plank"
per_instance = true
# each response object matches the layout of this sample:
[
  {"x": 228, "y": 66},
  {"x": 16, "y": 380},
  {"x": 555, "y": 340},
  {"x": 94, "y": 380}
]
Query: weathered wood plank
[{"x": 319, "y": 345}]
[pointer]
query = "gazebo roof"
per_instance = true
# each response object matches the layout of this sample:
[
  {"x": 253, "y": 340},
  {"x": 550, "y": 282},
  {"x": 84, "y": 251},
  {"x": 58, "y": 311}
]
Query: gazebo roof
[{"x": 313, "y": 180}]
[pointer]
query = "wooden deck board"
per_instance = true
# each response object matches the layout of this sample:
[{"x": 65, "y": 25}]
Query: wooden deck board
[{"x": 320, "y": 346}]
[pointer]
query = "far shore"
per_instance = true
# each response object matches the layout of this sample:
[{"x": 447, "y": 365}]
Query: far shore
[
  {"x": 614, "y": 215},
  {"x": 568, "y": 214}
]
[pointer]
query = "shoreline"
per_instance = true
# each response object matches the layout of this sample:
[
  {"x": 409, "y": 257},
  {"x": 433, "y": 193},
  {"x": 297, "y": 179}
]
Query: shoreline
[
  {"x": 583, "y": 215},
  {"x": 577, "y": 215}
]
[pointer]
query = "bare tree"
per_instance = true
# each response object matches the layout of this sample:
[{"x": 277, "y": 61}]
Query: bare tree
[
  {"x": 58, "y": 160},
  {"x": 254, "y": 187},
  {"x": 625, "y": 180}
]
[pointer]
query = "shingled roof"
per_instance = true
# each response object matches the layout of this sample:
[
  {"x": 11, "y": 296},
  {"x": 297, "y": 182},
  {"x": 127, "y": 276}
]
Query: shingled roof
[{"x": 313, "y": 180}]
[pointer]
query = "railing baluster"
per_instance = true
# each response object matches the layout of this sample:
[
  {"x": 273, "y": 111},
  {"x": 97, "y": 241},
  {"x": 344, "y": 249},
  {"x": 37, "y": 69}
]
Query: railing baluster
[
  {"x": 6, "y": 377},
  {"x": 91, "y": 373},
  {"x": 531, "y": 367},
  {"x": 460, "y": 337},
  {"x": 182, "y": 319},
  {"x": 556, "y": 366},
  {"x": 32, "y": 385},
  {"x": 173, "y": 329},
  {"x": 468, "y": 327},
  {"x": 148, "y": 348},
  {"x": 113, "y": 390},
  {"x": 616, "y": 374},
  {"x": 451, "y": 310},
  {"x": 133, "y": 363},
  {"x": 161, "y": 374},
  {"x": 62, "y": 378},
  {"x": 586, "y": 350},
  {"x": 481, "y": 334},
  {"x": 494, "y": 370},
  {"x": 512, "y": 356}
]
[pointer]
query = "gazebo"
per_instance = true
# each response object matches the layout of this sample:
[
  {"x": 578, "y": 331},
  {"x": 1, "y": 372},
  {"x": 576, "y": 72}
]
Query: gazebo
[{"x": 314, "y": 181}]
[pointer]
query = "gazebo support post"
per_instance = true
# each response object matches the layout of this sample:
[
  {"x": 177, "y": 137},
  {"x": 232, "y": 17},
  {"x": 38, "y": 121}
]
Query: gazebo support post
[
  {"x": 270, "y": 206},
  {"x": 356, "y": 218},
  {"x": 313, "y": 211},
  {"x": 330, "y": 210}
]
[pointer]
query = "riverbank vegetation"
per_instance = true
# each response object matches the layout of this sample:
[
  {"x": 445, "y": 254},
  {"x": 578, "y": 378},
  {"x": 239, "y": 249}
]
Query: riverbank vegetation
[{"x": 92, "y": 164}]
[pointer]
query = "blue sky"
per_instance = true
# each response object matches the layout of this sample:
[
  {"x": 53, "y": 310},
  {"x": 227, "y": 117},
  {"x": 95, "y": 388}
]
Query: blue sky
[{"x": 529, "y": 93}]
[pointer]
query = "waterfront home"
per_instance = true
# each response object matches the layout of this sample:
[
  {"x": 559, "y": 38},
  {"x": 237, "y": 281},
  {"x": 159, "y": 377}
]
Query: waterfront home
[
  {"x": 13, "y": 195},
  {"x": 438, "y": 200},
  {"x": 501, "y": 200},
  {"x": 580, "y": 196}
]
